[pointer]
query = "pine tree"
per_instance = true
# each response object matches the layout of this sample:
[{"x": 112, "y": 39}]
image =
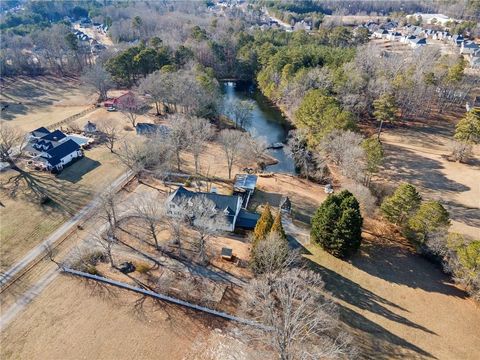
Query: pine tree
[
  {"x": 401, "y": 205},
  {"x": 278, "y": 227},
  {"x": 430, "y": 217},
  {"x": 264, "y": 224},
  {"x": 337, "y": 225},
  {"x": 385, "y": 110},
  {"x": 468, "y": 128}
]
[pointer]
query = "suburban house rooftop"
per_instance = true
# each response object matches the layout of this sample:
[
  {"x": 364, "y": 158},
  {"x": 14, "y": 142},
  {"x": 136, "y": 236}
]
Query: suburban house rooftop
[
  {"x": 56, "y": 154},
  {"x": 227, "y": 203}
]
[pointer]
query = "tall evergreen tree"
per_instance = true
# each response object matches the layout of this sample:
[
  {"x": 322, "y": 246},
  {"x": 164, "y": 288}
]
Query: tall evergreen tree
[
  {"x": 401, "y": 205},
  {"x": 468, "y": 128},
  {"x": 385, "y": 110},
  {"x": 264, "y": 224},
  {"x": 337, "y": 225},
  {"x": 277, "y": 226}
]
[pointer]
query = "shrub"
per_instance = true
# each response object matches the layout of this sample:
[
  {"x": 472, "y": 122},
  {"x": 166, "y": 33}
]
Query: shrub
[
  {"x": 401, "y": 205},
  {"x": 270, "y": 255},
  {"x": 337, "y": 225},
  {"x": 86, "y": 259},
  {"x": 461, "y": 151},
  {"x": 142, "y": 268}
]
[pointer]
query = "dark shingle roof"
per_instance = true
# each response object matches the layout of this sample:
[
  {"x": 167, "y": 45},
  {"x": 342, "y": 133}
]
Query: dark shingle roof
[
  {"x": 147, "y": 128},
  {"x": 225, "y": 203},
  {"x": 54, "y": 136},
  {"x": 60, "y": 151},
  {"x": 247, "y": 219}
]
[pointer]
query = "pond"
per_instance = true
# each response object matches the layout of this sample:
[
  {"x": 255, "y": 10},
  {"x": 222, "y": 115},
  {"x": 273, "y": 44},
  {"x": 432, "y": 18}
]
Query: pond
[{"x": 267, "y": 121}]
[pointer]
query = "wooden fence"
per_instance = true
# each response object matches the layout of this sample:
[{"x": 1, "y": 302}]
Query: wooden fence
[
  {"x": 71, "y": 118},
  {"x": 166, "y": 298}
]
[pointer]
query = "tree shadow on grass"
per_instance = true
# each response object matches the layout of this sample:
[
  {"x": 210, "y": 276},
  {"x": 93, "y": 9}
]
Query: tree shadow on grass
[
  {"x": 375, "y": 342},
  {"x": 344, "y": 289},
  {"x": 347, "y": 290},
  {"x": 53, "y": 195},
  {"x": 405, "y": 165},
  {"x": 11, "y": 110},
  {"x": 398, "y": 265},
  {"x": 468, "y": 215}
]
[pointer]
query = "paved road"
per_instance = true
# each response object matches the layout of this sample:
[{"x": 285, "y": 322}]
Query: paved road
[{"x": 60, "y": 232}]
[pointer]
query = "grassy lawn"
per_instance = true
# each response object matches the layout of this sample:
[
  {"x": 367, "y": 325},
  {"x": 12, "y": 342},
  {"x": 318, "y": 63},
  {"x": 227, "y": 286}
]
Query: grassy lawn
[
  {"x": 43, "y": 100},
  {"x": 25, "y": 223},
  {"x": 398, "y": 305}
]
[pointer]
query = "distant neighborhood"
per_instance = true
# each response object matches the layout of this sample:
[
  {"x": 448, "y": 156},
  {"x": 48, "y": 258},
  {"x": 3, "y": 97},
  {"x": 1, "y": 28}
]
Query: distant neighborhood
[{"x": 418, "y": 36}]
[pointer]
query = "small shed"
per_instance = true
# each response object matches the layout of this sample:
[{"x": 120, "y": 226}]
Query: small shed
[
  {"x": 90, "y": 127},
  {"x": 227, "y": 254}
]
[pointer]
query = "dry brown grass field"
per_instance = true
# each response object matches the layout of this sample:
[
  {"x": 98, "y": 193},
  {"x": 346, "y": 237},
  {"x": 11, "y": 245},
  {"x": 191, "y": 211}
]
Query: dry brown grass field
[
  {"x": 44, "y": 101},
  {"x": 41, "y": 101},
  {"x": 396, "y": 304},
  {"x": 416, "y": 153}
]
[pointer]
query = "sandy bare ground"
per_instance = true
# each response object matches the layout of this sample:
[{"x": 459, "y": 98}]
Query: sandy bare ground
[
  {"x": 41, "y": 101},
  {"x": 77, "y": 321},
  {"x": 417, "y": 155}
]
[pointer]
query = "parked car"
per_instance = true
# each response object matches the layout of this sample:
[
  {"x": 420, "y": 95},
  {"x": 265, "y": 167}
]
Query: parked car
[
  {"x": 328, "y": 189},
  {"x": 111, "y": 108}
]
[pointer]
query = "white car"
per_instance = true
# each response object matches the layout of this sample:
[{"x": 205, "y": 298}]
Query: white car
[
  {"x": 328, "y": 189},
  {"x": 111, "y": 108}
]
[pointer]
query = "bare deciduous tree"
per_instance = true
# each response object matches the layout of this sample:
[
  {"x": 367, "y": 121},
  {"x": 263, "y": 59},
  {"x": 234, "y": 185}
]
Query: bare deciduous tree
[
  {"x": 157, "y": 87},
  {"x": 107, "y": 242},
  {"x": 153, "y": 156},
  {"x": 205, "y": 218},
  {"x": 99, "y": 79},
  {"x": 130, "y": 106},
  {"x": 177, "y": 136},
  {"x": 234, "y": 144},
  {"x": 300, "y": 319},
  {"x": 108, "y": 208},
  {"x": 345, "y": 150},
  {"x": 461, "y": 151},
  {"x": 198, "y": 132},
  {"x": 12, "y": 142},
  {"x": 176, "y": 223},
  {"x": 109, "y": 133},
  {"x": 240, "y": 111},
  {"x": 149, "y": 209},
  {"x": 273, "y": 255},
  {"x": 310, "y": 165},
  {"x": 364, "y": 196}
]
